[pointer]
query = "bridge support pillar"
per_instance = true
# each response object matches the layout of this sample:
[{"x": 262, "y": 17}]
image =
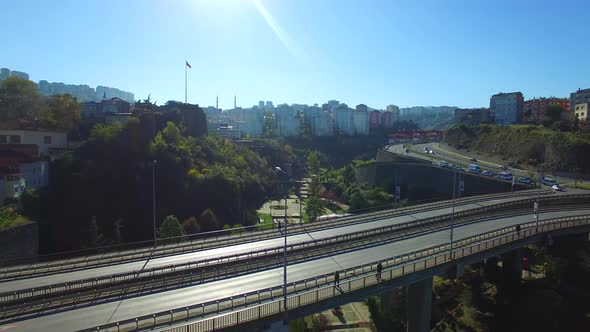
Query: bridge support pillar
[
  {"x": 419, "y": 306},
  {"x": 512, "y": 270}
]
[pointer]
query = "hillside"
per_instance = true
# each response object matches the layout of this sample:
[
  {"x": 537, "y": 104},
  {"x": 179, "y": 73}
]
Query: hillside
[
  {"x": 429, "y": 117},
  {"x": 525, "y": 145}
]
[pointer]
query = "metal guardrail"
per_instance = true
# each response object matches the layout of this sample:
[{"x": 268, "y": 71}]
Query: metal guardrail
[
  {"x": 193, "y": 273},
  {"x": 226, "y": 240},
  {"x": 266, "y": 302},
  {"x": 402, "y": 229},
  {"x": 462, "y": 163}
]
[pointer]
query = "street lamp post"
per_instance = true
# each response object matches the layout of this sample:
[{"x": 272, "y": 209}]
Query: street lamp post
[
  {"x": 452, "y": 216},
  {"x": 284, "y": 247},
  {"x": 154, "y": 198},
  {"x": 537, "y": 206}
]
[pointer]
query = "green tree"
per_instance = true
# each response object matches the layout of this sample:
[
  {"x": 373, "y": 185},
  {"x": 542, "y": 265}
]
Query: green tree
[
  {"x": 170, "y": 228},
  {"x": 237, "y": 229},
  {"x": 313, "y": 163},
  {"x": 117, "y": 225},
  {"x": 19, "y": 101},
  {"x": 552, "y": 114},
  {"x": 191, "y": 225},
  {"x": 95, "y": 238},
  {"x": 61, "y": 112},
  {"x": 208, "y": 221},
  {"x": 313, "y": 207}
]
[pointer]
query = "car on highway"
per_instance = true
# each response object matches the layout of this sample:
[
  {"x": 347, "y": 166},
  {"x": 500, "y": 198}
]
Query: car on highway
[
  {"x": 473, "y": 160},
  {"x": 430, "y": 152},
  {"x": 557, "y": 187},
  {"x": 407, "y": 150},
  {"x": 505, "y": 176},
  {"x": 549, "y": 182},
  {"x": 444, "y": 164},
  {"x": 487, "y": 172},
  {"x": 525, "y": 180}
]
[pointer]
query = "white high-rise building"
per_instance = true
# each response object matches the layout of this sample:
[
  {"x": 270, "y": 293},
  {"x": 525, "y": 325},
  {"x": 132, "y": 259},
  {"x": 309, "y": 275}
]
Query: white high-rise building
[
  {"x": 394, "y": 113},
  {"x": 361, "y": 121},
  {"x": 320, "y": 122},
  {"x": 343, "y": 119},
  {"x": 288, "y": 123},
  {"x": 253, "y": 122}
]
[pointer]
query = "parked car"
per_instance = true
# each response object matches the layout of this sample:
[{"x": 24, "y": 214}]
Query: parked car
[
  {"x": 549, "y": 182},
  {"x": 459, "y": 168},
  {"x": 525, "y": 180},
  {"x": 444, "y": 164},
  {"x": 407, "y": 150},
  {"x": 487, "y": 172},
  {"x": 505, "y": 176}
]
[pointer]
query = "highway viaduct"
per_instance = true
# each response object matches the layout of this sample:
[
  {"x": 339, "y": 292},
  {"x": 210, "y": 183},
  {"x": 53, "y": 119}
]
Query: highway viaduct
[{"x": 236, "y": 280}]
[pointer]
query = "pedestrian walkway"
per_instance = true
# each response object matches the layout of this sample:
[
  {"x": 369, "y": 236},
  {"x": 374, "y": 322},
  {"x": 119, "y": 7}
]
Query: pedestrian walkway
[{"x": 352, "y": 317}]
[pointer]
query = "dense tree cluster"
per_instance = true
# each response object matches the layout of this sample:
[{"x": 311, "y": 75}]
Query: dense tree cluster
[
  {"x": 356, "y": 195},
  {"x": 21, "y": 103},
  {"x": 205, "y": 181}
]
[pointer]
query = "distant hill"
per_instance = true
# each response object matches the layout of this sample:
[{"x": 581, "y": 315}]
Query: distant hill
[{"x": 429, "y": 117}]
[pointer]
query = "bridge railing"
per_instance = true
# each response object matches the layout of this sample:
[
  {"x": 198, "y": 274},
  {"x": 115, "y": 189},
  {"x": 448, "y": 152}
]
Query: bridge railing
[
  {"x": 266, "y": 302},
  {"x": 221, "y": 240},
  {"x": 197, "y": 276}
]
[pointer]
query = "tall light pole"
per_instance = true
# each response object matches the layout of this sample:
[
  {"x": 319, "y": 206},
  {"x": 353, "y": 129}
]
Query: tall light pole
[
  {"x": 537, "y": 206},
  {"x": 154, "y": 198},
  {"x": 278, "y": 169},
  {"x": 453, "y": 215}
]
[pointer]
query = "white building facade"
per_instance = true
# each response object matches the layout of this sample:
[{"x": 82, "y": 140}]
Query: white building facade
[
  {"x": 288, "y": 123},
  {"x": 360, "y": 120},
  {"x": 45, "y": 140},
  {"x": 343, "y": 120}
]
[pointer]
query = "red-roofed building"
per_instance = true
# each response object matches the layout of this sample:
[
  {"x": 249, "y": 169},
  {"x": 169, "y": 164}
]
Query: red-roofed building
[
  {"x": 534, "y": 109},
  {"x": 403, "y": 136}
]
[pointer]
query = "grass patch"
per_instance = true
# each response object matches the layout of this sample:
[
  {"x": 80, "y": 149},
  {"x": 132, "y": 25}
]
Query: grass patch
[
  {"x": 9, "y": 218},
  {"x": 266, "y": 222},
  {"x": 579, "y": 185}
]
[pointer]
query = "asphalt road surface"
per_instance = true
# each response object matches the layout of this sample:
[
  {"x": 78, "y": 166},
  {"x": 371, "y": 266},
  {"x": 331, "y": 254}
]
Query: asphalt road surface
[
  {"x": 34, "y": 282},
  {"x": 129, "y": 308}
]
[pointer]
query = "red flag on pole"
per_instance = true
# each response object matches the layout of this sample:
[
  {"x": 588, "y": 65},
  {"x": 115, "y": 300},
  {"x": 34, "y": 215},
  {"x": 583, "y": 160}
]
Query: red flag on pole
[{"x": 188, "y": 65}]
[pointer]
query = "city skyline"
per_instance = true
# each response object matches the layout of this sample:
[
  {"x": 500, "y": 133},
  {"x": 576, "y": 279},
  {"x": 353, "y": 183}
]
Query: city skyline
[{"x": 376, "y": 54}]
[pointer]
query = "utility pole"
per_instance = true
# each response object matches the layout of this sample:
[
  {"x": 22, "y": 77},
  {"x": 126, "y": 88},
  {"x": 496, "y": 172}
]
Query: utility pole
[
  {"x": 453, "y": 215},
  {"x": 278, "y": 169},
  {"x": 154, "y": 199}
]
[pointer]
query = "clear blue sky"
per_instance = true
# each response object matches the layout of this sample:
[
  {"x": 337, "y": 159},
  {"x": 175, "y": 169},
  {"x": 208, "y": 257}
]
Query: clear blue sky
[{"x": 376, "y": 52}]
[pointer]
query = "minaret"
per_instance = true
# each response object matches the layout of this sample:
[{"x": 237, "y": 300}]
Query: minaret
[
  {"x": 235, "y": 100},
  {"x": 217, "y": 102}
]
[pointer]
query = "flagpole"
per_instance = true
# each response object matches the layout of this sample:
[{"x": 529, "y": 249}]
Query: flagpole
[{"x": 185, "y": 73}]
